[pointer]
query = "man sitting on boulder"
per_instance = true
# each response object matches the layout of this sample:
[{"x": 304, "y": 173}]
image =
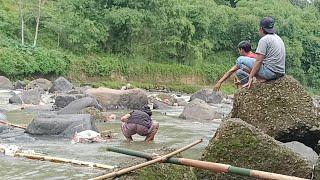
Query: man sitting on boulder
[
  {"x": 271, "y": 54},
  {"x": 139, "y": 122}
]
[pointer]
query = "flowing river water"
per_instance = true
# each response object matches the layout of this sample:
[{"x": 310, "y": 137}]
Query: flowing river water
[{"x": 173, "y": 133}]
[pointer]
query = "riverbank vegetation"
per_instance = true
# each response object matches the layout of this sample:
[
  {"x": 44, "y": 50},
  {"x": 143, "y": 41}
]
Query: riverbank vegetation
[{"x": 178, "y": 45}]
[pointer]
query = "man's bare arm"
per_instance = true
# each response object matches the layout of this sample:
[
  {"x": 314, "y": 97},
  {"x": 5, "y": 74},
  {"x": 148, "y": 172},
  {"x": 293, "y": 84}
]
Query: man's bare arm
[
  {"x": 225, "y": 77},
  {"x": 125, "y": 118}
]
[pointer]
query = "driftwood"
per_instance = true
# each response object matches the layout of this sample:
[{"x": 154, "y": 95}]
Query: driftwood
[{"x": 158, "y": 159}]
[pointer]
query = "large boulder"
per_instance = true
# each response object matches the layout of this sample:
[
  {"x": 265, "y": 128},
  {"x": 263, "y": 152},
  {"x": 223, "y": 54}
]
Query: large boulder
[
  {"x": 199, "y": 110},
  {"x": 61, "y": 85},
  {"x": 79, "y": 104},
  {"x": 242, "y": 145},
  {"x": 62, "y": 125},
  {"x": 40, "y": 83},
  {"x": 62, "y": 100},
  {"x": 5, "y": 83},
  {"x": 280, "y": 108},
  {"x": 208, "y": 95},
  {"x": 32, "y": 96},
  {"x": 119, "y": 99}
]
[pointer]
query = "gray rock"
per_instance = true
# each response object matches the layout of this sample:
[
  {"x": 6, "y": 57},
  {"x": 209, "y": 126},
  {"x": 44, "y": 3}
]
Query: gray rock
[
  {"x": 62, "y": 125},
  {"x": 62, "y": 100},
  {"x": 15, "y": 99},
  {"x": 208, "y": 95},
  {"x": 199, "y": 110},
  {"x": 305, "y": 151},
  {"x": 19, "y": 85},
  {"x": 32, "y": 96},
  {"x": 40, "y": 83},
  {"x": 79, "y": 104},
  {"x": 119, "y": 99},
  {"x": 61, "y": 85},
  {"x": 181, "y": 101},
  {"x": 5, "y": 83}
]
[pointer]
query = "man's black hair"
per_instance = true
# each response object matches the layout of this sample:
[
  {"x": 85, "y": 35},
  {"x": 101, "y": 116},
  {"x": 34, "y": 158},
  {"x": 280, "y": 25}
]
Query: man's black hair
[
  {"x": 146, "y": 109},
  {"x": 245, "y": 45}
]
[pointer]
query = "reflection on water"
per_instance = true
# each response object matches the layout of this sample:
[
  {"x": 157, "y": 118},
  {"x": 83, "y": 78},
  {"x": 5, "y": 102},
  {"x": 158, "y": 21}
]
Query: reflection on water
[{"x": 173, "y": 133}]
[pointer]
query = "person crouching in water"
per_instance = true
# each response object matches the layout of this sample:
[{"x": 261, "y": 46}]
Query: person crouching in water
[{"x": 139, "y": 122}]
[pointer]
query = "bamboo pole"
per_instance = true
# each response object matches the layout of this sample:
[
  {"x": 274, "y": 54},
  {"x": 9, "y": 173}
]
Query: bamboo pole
[
  {"x": 156, "y": 160},
  {"x": 216, "y": 167},
  {"x": 13, "y": 125},
  {"x": 60, "y": 160},
  {"x": 63, "y": 160}
]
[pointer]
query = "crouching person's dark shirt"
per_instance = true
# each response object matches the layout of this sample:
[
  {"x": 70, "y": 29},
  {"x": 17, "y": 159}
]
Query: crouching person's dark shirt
[{"x": 141, "y": 118}]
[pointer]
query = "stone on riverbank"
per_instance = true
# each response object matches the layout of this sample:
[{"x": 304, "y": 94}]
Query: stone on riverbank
[
  {"x": 79, "y": 104},
  {"x": 63, "y": 125},
  {"x": 5, "y": 83},
  {"x": 208, "y": 95},
  {"x": 61, "y": 85},
  {"x": 199, "y": 110},
  {"x": 240, "y": 144},
  {"x": 32, "y": 96},
  {"x": 15, "y": 99},
  {"x": 119, "y": 99},
  {"x": 281, "y": 109},
  {"x": 40, "y": 83},
  {"x": 62, "y": 100}
]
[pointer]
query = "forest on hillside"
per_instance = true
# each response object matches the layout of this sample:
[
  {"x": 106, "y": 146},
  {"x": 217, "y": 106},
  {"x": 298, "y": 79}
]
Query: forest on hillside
[{"x": 139, "y": 38}]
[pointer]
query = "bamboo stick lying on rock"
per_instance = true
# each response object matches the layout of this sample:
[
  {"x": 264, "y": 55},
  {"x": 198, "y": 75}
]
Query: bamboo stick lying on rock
[
  {"x": 216, "y": 167},
  {"x": 158, "y": 159},
  {"x": 13, "y": 125}
]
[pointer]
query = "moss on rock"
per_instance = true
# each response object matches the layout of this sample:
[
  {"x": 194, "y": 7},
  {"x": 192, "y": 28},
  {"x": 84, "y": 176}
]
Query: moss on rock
[
  {"x": 162, "y": 171},
  {"x": 280, "y": 108},
  {"x": 240, "y": 144}
]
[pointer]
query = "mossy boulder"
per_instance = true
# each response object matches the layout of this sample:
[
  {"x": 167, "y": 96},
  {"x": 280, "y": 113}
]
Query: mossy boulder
[
  {"x": 240, "y": 144},
  {"x": 281, "y": 109},
  {"x": 316, "y": 173}
]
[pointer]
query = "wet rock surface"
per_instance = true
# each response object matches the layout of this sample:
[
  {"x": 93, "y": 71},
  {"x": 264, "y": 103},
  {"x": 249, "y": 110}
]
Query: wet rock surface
[
  {"x": 76, "y": 106},
  {"x": 61, "y": 85},
  {"x": 242, "y": 145},
  {"x": 119, "y": 99},
  {"x": 208, "y": 95},
  {"x": 62, "y": 100},
  {"x": 40, "y": 83},
  {"x": 5, "y": 83},
  {"x": 63, "y": 125},
  {"x": 199, "y": 110},
  {"x": 281, "y": 109}
]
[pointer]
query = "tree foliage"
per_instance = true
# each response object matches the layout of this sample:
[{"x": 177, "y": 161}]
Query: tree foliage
[{"x": 190, "y": 32}]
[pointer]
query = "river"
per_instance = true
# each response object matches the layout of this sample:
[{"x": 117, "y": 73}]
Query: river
[{"x": 173, "y": 133}]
